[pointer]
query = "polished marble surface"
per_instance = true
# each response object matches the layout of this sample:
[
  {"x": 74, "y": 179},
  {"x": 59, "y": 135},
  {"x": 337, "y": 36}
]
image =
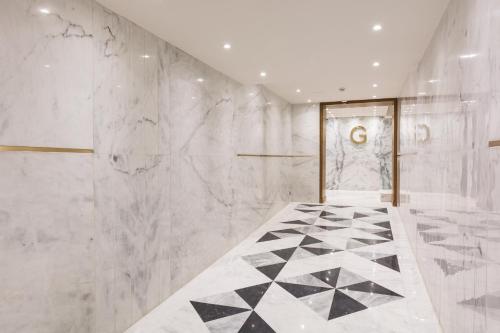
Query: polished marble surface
[
  {"x": 358, "y": 167},
  {"x": 311, "y": 268},
  {"x": 449, "y": 176},
  {"x": 165, "y": 172}
]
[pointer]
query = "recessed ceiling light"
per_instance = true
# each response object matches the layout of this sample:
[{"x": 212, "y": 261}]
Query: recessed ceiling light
[
  {"x": 433, "y": 80},
  {"x": 422, "y": 93},
  {"x": 146, "y": 56},
  {"x": 374, "y": 85},
  {"x": 263, "y": 74},
  {"x": 45, "y": 11},
  {"x": 298, "y": 91},
  {"x": 309, "y": 101},
  {"x": 200, "y": 79},
  {"x": 227, "y": 46},
  {"x": 376, "y": 64},
  {"x": 377, "y": 27},
  {"x": 46, "y": 66},
  {"x": 468, "y": 56},
  {"x": 374, "y": 96}
]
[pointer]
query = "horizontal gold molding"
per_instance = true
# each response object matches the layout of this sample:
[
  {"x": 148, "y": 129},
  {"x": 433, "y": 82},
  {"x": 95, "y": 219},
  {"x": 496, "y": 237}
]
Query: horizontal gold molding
[
  {"x": 47, "y": 149},
  {"x": 272, "y": 155},
  {"x": 494, "y": 143}
]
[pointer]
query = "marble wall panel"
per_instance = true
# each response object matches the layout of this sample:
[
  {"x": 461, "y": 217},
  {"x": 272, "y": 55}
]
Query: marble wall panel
[
  {"x": 450, "y": 182},
  {"x": 359, "y": 167},
  {"x": 168, "y": 193},
  {"x": 305, "y": 136},
  {"x": 46, "y": 59},
  {"x": 47, "y": 243}
]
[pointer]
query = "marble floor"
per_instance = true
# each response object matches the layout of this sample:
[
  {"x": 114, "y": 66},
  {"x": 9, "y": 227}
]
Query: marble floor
[
  {"x": 360, "y": 198},
  {"x": 311, "y": 268}
]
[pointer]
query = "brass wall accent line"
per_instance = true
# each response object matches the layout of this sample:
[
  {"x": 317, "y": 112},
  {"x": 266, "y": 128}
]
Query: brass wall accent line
[
  {"x": 272, "y": 155},
  {"x": 46, "y": 149},
  {"x": 494, "y": 143}
]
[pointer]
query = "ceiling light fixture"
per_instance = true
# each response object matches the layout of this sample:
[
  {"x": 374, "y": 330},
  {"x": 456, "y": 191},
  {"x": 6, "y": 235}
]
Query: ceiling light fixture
[
  {"x": 298, "y": 91},
  {"x": 377, "y": 27},
  {"x": 146, "y": 56},
  {"x": 309, "y": 101},
  {"x": 263, "y": 74},
  {"x": 376, "y": 64},
  {"x": 422, "y": 93},
  {"x": 45, "y": 11},
  {"x": 200, "y": 79},
  {"x": 374, "y": 96},
  {"x": 433, "y": 80},
  {"x": 374, "y": 85},
  {"x": 227, "y": 46}
]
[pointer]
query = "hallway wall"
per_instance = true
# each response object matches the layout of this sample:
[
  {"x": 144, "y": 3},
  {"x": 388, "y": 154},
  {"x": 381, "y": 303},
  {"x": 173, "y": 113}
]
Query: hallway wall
[
  {"x": 92, "y": 242},
  {"x": 450, "y": 179},
  {"x": 305, "y": 142},
  {"x": 363, "y": 167}
]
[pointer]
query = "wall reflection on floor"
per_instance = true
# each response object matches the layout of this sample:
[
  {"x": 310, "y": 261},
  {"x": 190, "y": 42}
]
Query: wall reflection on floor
[{"x": 450, "y": 179}]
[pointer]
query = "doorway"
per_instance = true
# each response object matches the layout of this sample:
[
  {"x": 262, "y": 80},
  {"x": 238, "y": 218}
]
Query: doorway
[{"x": 358, "y": 155}]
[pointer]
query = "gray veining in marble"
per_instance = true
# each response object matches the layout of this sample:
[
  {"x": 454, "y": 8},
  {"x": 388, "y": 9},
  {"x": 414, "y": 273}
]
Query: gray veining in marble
[
  {"x": 449, "y": 176},
  {"x": 163, "y": 196},
  {"x": 359, "y": 167}
]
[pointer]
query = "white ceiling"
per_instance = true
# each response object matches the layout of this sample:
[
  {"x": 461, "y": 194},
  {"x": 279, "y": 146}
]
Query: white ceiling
[{"x": 315, "y": 45}]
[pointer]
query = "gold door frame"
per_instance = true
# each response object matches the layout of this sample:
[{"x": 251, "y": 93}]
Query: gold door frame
[{"x": 395, "y": 143}]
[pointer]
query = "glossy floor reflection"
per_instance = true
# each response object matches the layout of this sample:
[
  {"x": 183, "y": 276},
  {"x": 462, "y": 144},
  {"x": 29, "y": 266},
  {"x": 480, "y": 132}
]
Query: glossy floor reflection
[{"x": 312, "y": 268}]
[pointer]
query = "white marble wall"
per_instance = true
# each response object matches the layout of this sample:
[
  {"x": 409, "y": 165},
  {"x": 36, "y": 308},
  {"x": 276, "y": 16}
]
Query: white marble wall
[
  {"x": 451, "y": 182},
  {"x": 305, "y": 170},
  {"x": 91, "y": 243},
  {"x": 359, "y": 167}
]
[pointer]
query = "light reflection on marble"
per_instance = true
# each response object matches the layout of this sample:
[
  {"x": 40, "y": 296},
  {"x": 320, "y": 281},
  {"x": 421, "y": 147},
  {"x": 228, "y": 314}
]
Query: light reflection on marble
[
  {"x": 170, "y": 195},
  {"x": 450, "y": 182}
]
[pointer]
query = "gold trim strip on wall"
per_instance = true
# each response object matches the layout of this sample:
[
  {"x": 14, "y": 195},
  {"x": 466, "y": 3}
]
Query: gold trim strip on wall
[
  {"x": 271, "y": 155},
  {"x": 494, "y": 143},
  {"x": 47, "y": 149}
]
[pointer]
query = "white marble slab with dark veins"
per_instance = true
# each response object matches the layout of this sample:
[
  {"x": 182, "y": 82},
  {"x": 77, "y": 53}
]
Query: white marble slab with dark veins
[{"x": 359, "y": 167}]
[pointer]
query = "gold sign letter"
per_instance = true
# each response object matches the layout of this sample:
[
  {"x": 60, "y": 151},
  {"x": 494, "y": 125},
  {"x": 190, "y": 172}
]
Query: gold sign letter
[{"x": 361, "y": 138}]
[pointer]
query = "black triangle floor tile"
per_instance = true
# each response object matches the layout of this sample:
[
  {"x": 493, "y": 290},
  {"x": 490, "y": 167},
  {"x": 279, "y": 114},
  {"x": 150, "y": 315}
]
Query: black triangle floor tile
[
  {"x": 296, "y": 222},
  {"x": 255, "y": 324},
  {"x": 208, "y": 312},
  {"x": 272, "y": 271},
  {"x": 381, "y": 210},
  {"x": 267, "y": 237},
  {"x": 253, "y": 294},
  {"x": 309, "y": 240},
  {"x": 285, "y": 254},
  {"x": 300, "y": 290},
  {"x": 343, "y": 305},
  {"x": 329, "y": 228},
  {"x": 359, "y": 215},
  {"x": 330, "y": 276},
  {"x": 385, "y": 234},
  {"x": 288, "y": 231},
  {"x": 385, "y": 224},
  {"x": 371, "y": 287},
  {"x": 390, "y": 262},
  {"x": 307, "y": 211},
  {"x": 370, "y": 241}
]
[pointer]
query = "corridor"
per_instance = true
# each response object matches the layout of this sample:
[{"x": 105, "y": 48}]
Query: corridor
[{"x": 311, "y": 268}]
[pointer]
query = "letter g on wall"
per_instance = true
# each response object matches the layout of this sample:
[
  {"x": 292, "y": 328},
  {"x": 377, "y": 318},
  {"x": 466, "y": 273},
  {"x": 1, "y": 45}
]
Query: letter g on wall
[{"x": 358, "y": 135}]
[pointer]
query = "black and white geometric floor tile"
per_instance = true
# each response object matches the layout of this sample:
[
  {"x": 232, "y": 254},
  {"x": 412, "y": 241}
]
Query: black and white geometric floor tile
[{"x": 331, "y": 293}]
